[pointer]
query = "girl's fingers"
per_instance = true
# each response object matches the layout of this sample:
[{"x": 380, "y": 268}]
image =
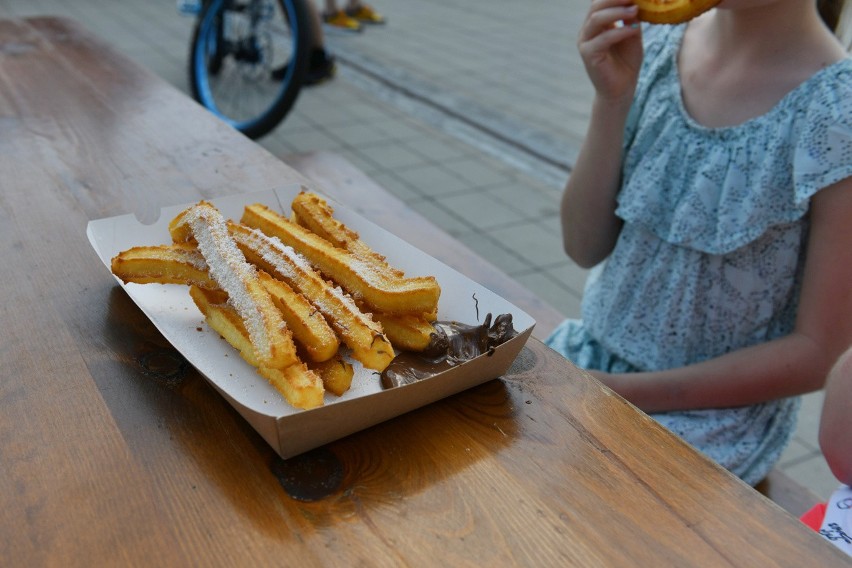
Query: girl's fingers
[
  {"x": 606, "y": 18},
  {"x": 603, "y": 42},
  {"x": 610, "y": 45}
]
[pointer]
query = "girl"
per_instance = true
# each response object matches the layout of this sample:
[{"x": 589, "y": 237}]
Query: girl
[{"x": 721, "y": 229}]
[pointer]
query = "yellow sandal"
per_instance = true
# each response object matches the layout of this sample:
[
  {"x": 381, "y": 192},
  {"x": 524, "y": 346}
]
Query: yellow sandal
[
  {"x": 339, "y": 19},
  {"x": 366, "y": 14}
]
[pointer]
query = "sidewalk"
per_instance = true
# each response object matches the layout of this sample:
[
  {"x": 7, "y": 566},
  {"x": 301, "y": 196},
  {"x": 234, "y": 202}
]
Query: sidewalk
[{"x": 470, "y": 111}]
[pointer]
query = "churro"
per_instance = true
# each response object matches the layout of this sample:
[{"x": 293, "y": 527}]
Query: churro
[
  {"x": 357, "y": 330},
  {"x": 381, "y": 291},
  {"x": 300, "y": 386},
  {"x": 309, "y": 328},
  {"x": 272, "y": 341},
  {"x": 224, "y": 320},
  {"x": 672, "y": 11},
  {"x": 408, "y": 332},
  {"x": 315, "y": 214},
  {"x": 163, "y": 264},
  {"x": 336, "y": 374}
]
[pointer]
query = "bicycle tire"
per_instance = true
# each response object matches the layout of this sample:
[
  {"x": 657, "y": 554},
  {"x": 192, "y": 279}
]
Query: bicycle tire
[{"x": 207, "y": 59}]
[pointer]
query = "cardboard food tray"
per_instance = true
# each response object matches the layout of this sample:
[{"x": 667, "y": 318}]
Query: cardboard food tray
[{"x": 288, "y": 430}]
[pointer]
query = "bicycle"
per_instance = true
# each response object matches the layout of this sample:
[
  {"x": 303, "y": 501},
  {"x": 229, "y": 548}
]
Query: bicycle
[{"x": 248, "y": 58}]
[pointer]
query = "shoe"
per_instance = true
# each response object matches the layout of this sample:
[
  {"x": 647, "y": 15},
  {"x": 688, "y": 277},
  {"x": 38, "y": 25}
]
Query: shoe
[
  {"x": 339, "y": 19},
  {"x": 322, "y": 68},
  {"x": 365, "y": 14}
]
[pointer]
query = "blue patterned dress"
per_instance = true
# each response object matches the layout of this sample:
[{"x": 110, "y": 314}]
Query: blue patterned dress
[{"x": 711, "y": 254}]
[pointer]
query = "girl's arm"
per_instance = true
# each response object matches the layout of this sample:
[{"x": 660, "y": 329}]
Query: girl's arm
[
  {"x": 835, "y": 427},
  {"x": 612, "y": 55},
  {"x": 795, "y": 364},
  {"x": 589, "y": 224}
]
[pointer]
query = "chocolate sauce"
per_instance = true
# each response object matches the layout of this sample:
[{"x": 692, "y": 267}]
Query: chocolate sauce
[{"x": 452, "y": 344}]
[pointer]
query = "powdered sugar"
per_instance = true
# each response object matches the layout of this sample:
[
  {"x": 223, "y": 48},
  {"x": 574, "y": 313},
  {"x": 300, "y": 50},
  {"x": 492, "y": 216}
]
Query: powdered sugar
[
  {"x": 229, "y": 269},
  {"x": 271, "y": 249},
  {"x": 291, "y": 266}
]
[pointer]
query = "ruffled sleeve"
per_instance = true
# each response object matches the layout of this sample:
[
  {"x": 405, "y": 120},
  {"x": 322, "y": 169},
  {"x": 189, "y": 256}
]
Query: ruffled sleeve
[
  {"x": 824, "y": 153},
  {"x": 718, "y": 189}
]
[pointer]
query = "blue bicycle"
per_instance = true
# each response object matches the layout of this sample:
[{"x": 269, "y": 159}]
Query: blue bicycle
[{"x": 248, "y": 59}]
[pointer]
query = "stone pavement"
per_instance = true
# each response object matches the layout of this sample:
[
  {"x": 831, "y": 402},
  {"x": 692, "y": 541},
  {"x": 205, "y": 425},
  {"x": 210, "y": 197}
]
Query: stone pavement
[{"x": 471, "y": 111}]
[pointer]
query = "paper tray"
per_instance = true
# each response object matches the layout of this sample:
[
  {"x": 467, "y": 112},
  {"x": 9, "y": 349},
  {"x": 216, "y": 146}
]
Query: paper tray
[{"x": 288, "y": 430}]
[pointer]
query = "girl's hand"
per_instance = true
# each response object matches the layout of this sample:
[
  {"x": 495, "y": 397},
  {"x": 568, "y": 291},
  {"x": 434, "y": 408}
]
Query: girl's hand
[{"x": 611, "y": 47}]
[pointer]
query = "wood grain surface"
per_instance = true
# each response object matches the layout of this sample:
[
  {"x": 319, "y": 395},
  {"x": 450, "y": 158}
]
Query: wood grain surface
[{"x": 114, "y": 452}]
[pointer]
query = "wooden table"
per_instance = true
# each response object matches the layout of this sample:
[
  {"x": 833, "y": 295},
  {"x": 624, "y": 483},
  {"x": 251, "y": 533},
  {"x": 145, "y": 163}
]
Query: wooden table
[{"x": 113, "y": 452}]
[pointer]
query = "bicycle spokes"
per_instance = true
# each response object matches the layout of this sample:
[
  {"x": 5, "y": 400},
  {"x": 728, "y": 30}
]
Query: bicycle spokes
[{"x": 241, "y": 60}]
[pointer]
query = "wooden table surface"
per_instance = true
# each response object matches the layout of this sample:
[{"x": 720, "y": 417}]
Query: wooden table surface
[{"x": 114, "y": 452}]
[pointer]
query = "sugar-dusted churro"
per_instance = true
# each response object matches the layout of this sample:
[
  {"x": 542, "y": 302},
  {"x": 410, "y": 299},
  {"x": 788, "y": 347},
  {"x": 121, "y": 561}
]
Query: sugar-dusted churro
[
  {"x": 356, "y": 329},
  {"x": 408, "y": 332},
  {"x": 309, "y": 328},
  {"x": 270, "y": 337},
  {"x": 163, "y": 264},
  {"x": 300, "y": 386},
  {"x": 336, "y": 374},
  {"x": 184, "y": 264},
  {"x": 225, "y": 320},
  {"x": 381, "y": 291},
  {"x": 315, "y": 214}
]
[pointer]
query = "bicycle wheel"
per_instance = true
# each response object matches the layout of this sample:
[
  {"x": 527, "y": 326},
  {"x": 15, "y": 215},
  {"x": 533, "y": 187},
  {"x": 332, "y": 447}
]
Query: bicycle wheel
[{"x": 247, "y": 60}]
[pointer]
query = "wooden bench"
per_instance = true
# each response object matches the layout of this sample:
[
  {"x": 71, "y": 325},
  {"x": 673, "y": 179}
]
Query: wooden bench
[{"x": 367, "y": 197}]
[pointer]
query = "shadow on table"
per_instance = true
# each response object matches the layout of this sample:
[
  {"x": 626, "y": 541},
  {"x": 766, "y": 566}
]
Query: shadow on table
[{"x": 168, "y": 413}]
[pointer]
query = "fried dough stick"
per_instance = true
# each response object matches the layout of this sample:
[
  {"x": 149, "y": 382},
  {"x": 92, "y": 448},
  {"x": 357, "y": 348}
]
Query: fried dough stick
[
  {"x": 672, "y": 11},
  {"x": 381, "y": 291},
  {"x": 163, "y": 264},
  {"x": 410, "y": 332},
  {"x": 300, "y": 386},
  {"x": 357, "y": 330},
  {"x": 184, "y": 264},
  {"x": 270, "y": 337},
  {"x": 336, "y": 374},
  {"x": 315, "y": 214},
  {"x": 309, "y": 328}
]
